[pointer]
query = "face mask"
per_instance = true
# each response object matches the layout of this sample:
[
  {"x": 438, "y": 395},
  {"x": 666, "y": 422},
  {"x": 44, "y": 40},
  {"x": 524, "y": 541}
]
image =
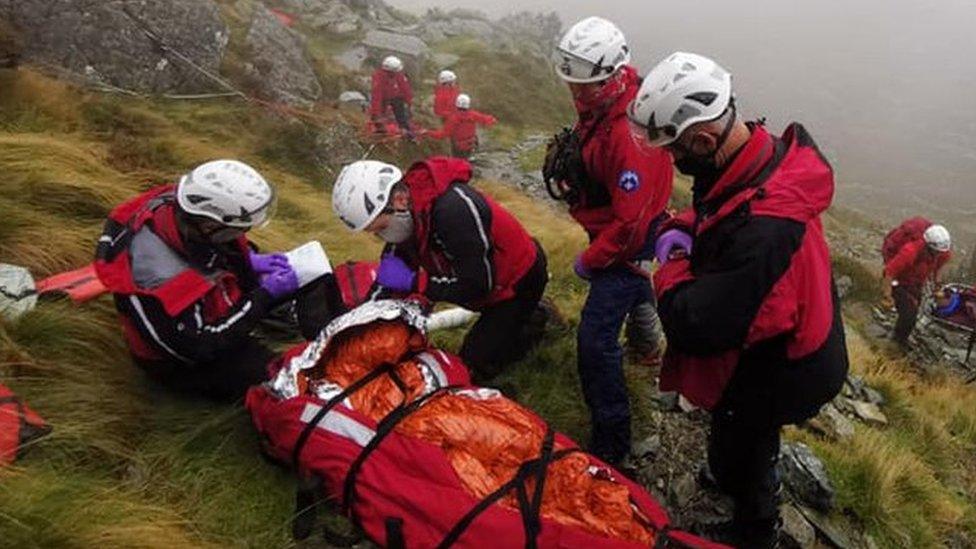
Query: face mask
[
  {"x": 703, "y": 168},
  {"x": 698, "y": 168},
  {"x": 601, "y": 97},
  {"x": 399, "y": 229}
]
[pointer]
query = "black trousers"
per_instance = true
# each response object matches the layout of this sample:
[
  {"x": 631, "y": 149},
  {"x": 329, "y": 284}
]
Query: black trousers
[
  {"x": 228, "y": 377},
  {"x": 499, "y": 337},
  {"x": 907, "y": 300},
  {"x": 765, "y": 393},
  {"x": 402, "y": 115},
  {"x": 225, "y": 379}
]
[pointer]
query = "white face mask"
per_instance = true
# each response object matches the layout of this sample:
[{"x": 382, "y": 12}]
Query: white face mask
[{"x": 399, "y": 229}]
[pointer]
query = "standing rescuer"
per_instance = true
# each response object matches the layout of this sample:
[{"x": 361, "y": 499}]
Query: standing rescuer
[
  {"x": 448, "y": 242},
  {"x": 445, "y": 95},
  {"x": 392, "y": 91},
  {"x": 462, "y": 127},
  {"x": 618, "y": 193},
  {"x": 745, "y": 292},
  {"x": 914, "y": 254},
  {"x": 188, "y": 286}
]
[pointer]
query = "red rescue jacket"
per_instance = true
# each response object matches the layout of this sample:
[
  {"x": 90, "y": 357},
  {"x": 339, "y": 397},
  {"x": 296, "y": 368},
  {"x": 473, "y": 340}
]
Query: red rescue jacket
[
  {"x": 445, "y": 96},
  {"x": 637, "y": 182},
  {"x": 388, "y": 86},
  {"x": 758, "y": 285},
  {"x": 512, "y": 252},
  {"x": 181, "y": 286},
  {"x": 462, "y": 128},
  {"x": 915, "y": 264}
]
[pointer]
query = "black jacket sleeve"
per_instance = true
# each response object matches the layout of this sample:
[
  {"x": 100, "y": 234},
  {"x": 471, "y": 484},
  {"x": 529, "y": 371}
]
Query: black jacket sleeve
[
  {"x": 187, "y": 337},
  {"x": 733, "y": 275},
  {"x": 461, "y": 221}
]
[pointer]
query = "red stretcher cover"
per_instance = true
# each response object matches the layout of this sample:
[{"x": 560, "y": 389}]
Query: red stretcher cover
[{"x": 418, "y": 457}]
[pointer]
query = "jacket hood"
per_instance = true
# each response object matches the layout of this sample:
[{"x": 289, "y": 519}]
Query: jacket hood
[{"x": 429, "y": 179}]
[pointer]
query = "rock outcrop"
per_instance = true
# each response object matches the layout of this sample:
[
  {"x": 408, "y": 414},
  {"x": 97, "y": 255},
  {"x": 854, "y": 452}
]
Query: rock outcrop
[
  {"x": 332, "y": 16},
  {"x": 411, "y": 50},
  {"x": 142, "y": 45},
  {"x": 279, "y": 65}
]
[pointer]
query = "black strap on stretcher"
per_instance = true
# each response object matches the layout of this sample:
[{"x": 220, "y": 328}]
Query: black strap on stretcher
[
  {"x": 384, "y": 428},
  {"x": 307, "y": 494},
  {"x": 528, "y": 507}
]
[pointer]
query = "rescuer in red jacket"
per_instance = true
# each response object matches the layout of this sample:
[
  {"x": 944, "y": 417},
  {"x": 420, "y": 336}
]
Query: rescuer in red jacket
[
  {"x": 462, "y": 127},
  {"x": 445, "y": 95},
  {"x": 449, "y": 242},
  {"x": 392, "y": 91},
  {"x": 618, "y": 193},
  {"x": 745, "y": 292},
  {"x": 916, "y": 262},
  {"x": 188, "y": 286}
]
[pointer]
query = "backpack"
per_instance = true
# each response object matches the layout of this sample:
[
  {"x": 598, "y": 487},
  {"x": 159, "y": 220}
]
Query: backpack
[
  {"x": 19, "y": 426},
  {"x": 910, "y": 230},
  {"x": 356, "y": 281}
]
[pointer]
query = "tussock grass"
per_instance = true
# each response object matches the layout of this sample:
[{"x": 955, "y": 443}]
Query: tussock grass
[
  {"x": 913, "y": 483},
  {"x": 34, "y": 103}
]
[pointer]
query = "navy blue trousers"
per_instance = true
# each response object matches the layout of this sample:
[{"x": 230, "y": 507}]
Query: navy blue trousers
[{"x": 613, "y": 294}]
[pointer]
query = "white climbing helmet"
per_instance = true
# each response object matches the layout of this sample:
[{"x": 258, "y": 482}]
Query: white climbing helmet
[
  {"x": 463, "y": 102},
  {"x": 228, "y": 191},
  {"x": 591, "y": 51},
  {"x": 392, "y": 63},
  {"x": 362, "y": 191},
  {"x": 446, "y": 77},
  {"x": 682, "y": 90},
  {"x": 937, "y": 237}
]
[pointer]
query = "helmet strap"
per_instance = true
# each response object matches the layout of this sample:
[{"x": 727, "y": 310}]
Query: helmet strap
[{"x": 726, "y": 131}]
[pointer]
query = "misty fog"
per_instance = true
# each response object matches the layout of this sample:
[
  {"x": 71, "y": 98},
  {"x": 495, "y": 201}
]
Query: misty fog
[{"x": 887, "y": 88}]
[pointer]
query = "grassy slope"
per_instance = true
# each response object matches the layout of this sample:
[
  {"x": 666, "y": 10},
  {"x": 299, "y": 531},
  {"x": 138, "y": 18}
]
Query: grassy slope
[{"x": 131, "y": 466}]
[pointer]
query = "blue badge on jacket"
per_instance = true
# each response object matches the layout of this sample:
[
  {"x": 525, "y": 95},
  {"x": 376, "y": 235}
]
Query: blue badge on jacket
[{"x": 629, "y": 181}]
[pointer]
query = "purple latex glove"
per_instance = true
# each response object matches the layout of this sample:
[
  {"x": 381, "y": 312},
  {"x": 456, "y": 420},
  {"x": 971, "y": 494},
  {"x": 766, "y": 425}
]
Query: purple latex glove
[
  {"x": 580, "y": 269},
  {"x": 394, "y": 274},
  {"x": 668, "y": 242},
  {"x": 280, "y": 282},
  {"x": 267, "y": 263}
]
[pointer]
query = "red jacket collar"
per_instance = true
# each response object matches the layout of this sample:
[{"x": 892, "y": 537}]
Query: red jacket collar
[
  {"x": 753, "y": 157},
  {"x": 790, "y": 175}
]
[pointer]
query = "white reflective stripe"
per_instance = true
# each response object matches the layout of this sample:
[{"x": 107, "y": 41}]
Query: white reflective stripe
[
  {"x": 105, "y": 238},
  {"x": 197, "y": 316},
  {"x": 230, "y": 321},
  {"x": 435, "y": 368},
  {"x": 152, "y": 331},
  {"x": 481, "y": 231},
  {"x": 340, "y": 424}
]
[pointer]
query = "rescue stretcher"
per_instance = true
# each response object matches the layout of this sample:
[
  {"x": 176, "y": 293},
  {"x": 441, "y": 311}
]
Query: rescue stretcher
[
  {"x": 962, "y": 320},
  {"x": 391, "y": 431}
]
